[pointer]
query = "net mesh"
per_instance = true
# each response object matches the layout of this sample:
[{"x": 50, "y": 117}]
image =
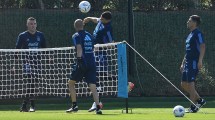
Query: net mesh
[{"x": 45, "y": 72}]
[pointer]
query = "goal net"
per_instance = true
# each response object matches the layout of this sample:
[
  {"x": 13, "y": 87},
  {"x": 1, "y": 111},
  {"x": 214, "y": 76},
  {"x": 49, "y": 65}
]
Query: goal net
[{"x": 45, "y": 72}]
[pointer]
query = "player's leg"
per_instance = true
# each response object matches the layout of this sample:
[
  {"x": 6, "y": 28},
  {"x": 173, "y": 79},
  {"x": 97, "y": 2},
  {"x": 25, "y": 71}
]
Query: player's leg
[
  {"x": 189, "y": 76},
  {"x": 24, "y": 105},
  {"x": 98, "y": 88},
  {"x": 35, "y": 76},
  {"x": 95, "y": 98},
  {"x": 91, "y": 80},
  {"x": 26, "y": 80},
  {"x": 72, "y": 90},
  {"x": 77, "y": 75},
  {"x": 99, "y": 63}
]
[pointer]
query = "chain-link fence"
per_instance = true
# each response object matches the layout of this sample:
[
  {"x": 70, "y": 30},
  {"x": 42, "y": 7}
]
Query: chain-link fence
[{"x": 159, "y": 34}]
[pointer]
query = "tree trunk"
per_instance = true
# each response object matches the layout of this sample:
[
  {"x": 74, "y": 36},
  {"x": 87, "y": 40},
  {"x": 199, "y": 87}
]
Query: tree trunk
[
  {"x": 213, "y": 4},
  {"x": 42, "y": 6}
]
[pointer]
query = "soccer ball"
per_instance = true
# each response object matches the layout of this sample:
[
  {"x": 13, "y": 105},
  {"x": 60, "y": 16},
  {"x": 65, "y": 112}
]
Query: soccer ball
[
  {"x": 84, "y": 6},
  {"x": 178, "y": 111}
]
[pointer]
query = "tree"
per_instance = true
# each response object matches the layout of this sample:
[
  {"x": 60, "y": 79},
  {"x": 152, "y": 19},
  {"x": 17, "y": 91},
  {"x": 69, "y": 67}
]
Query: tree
[{"x": 213, "y": 4}]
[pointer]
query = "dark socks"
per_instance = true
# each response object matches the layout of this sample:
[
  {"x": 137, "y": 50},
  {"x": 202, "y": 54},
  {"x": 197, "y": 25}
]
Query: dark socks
[
  {"x": 74, "y": 104},
  {"x": 32, "y": 103},
  {"x": 24, "y": 104},
  {"x": 98, "y": 107}
]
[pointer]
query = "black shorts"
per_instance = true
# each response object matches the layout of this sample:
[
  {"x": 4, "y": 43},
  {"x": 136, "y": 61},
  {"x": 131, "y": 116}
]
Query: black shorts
[
  {"x": 89, "y": 74},
  {"x": 190, "y": 71}
]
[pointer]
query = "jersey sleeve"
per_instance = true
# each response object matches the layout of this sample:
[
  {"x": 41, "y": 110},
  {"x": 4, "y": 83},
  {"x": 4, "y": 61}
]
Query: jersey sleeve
[
  {"x": 110, "y": 35},
  {"x": 200, "y": 38},
  {"x": 76, "y": 40},
  {"x": 19, "y": 42},
  {"x": 99, "y": 37}
]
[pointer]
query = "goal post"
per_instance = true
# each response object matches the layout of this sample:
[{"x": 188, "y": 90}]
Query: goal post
[{"x": 48, "y": 71}]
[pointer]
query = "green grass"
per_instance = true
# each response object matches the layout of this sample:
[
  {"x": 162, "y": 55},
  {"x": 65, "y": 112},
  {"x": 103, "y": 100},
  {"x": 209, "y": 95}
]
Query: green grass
[{"x": 142, "y": 109}]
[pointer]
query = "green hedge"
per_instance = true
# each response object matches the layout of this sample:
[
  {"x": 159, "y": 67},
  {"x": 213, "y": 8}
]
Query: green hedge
[{"x": 159, "y": 37}]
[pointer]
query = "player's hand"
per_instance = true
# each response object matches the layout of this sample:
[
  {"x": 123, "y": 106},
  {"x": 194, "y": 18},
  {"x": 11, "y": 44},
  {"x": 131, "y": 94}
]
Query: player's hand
[
  {"x": 200, "y": 65},
  {"x": 80, "y": 63},
  {"x": 86, "y": 20},
  {"x": 182, "y": 67}
]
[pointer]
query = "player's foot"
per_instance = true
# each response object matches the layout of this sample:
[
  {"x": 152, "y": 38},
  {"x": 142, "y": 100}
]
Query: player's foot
[
  {"x": 192, "y": 109},
  {"x": 93, "y": 108},
  {"x": 23, "y": 109},
  {"x": 72, "y": 109},
  {"x": 99, "y": 112},
  {"x": 32, "y": 109},
  {"x": 200, "y": 102}
]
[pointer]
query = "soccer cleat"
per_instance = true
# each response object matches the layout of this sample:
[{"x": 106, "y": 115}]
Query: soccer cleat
[
  {"x": 93, "y": 108},
  {"x": 99, "y": 112},
  {"x": 32, "y": 109},
  {"x": 192, "y": 109},
  {"x": 23, "y": 109},
  {"x": 72, "y": 109},
  {"x": 200, "y": 102}
]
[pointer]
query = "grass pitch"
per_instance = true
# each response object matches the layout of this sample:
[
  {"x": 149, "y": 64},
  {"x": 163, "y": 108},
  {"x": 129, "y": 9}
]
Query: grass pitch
[{"x": 142, "y": 109}]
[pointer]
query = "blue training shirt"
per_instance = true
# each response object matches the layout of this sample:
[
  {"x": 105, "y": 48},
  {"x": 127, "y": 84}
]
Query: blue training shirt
[
  {"x": 27, "y": 40},
  {"x": 193, "y": 42},
  {"x": 103, "y": 33},
  {"x": 86, "y": 41}
]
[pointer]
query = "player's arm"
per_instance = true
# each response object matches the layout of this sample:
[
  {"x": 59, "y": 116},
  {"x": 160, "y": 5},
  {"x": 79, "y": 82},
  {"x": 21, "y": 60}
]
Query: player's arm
[
  {"x": 110, "y": 36},
  {"x": 202, "y": 50},
  {"x": 91, "y": 19},
  {"x": 79, "y": 50},
  {"x": 182, "y": 64},
  {"x": 19, "y": 42}
]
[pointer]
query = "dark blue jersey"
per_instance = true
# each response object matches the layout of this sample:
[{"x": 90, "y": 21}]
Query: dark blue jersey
[
  {"x": 103, "y": 33},
  {"x": 27, "y": 40},
  {"x": 193, "y": 42},
  {"x": 86, "y": 41}
]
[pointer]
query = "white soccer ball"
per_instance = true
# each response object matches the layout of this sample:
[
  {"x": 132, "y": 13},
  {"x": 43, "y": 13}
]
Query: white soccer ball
[
  {"x": 84, "y": 6},
  {"x": 178, "y": 111}
]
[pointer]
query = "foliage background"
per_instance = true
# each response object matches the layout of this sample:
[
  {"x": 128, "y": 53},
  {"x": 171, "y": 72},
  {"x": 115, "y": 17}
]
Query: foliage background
[{"x": 159, "y": 29}]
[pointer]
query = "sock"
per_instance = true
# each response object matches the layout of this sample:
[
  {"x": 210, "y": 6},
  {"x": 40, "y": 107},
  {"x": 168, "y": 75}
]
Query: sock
[
  {"x": 32, "y": 103},
  {"x": 199, "y": 100},
  {"x": 74, "y": 104},
  {"x": 24, "y": 103},
  {"x": 98, "y": 107}
]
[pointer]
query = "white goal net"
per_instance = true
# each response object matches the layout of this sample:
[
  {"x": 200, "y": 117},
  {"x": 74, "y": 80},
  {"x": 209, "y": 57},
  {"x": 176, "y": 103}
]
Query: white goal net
[{"x": 45, "y": 72}]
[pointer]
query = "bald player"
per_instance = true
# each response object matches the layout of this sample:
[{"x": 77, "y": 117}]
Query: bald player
[{"x": 85, "y": 65}]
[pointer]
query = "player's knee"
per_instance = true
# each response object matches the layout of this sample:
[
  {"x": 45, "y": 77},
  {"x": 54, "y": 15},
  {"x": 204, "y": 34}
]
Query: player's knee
[
  {"x": 183, "y": 85},
  {"x": 92, "y": 86},
  {"x": 71, "y": 82}
]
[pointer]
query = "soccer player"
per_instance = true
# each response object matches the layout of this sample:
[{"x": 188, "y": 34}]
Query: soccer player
[
  {"x": 192, "y": 62},
  {"x": 30, "y": 39},
  {"x": 102, "y": 35},
  {"x": 85, "y": 66}
]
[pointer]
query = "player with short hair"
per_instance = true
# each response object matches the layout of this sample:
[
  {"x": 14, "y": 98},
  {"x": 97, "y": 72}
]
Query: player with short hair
[
  {"x": 85, "y": 65},
  {"x": 192, "y": 62},
  {"x": 102, "y": 34},
  {"x": 30, "y": 39}
]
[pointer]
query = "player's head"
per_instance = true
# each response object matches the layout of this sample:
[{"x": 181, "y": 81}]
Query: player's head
[
  {"x": 78, "y": 25},
  {"x": 193, "y": 22},
  {"x": 106, "y": 17},
  {"x": 31, "y": 24}
]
